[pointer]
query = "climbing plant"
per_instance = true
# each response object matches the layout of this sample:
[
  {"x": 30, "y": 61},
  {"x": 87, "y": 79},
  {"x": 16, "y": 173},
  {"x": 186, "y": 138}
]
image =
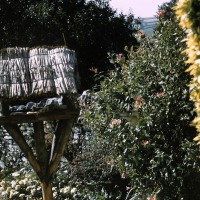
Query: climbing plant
[{"x": 189, "y": 15}]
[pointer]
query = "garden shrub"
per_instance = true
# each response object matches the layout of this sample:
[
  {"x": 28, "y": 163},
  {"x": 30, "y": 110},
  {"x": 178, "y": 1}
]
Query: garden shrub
[
  {"x": 23, "y": 184},
  {"x": 95, "y": 173},
  {"x": 158, "y": 153}
]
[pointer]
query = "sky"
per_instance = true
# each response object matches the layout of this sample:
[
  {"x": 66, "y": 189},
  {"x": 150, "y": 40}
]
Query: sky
[{"x": 140, "y": 8}]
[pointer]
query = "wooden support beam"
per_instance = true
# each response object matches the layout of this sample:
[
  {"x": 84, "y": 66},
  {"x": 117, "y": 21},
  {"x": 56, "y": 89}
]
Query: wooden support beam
[
  {"x": 47, "y": 192},
  {"x": 17, "y": 118},
  {"x": 4, "y": 107},
  {"x": 64, "y": 131},
  {"x": 41, "y": 151},
  {"x": 18, "y": 137}
]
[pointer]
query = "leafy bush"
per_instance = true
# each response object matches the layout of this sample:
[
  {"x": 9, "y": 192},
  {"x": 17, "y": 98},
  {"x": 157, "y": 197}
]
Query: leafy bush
[
  {"x": 158, "y": 152},
  {"x": 95, "y": 173}
]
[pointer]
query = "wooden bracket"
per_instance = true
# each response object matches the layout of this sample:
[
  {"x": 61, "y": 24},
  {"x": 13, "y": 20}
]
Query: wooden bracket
[{"x": 42, "y": 162}]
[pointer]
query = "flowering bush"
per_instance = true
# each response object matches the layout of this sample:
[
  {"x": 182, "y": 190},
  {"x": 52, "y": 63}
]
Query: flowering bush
[
  {"x": 20, "y": 185},
  {"x": 23, "y": 184},
  {"x": 157, "y": 153}
]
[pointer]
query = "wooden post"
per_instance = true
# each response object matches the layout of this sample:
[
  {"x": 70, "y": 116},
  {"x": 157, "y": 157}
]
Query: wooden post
[
  {"x": 4, "y": 107},
  {"x": 47, "y": 193},
  {"x": 42, "y": 157},
  {"x": 40, "y": 147},
  {"x": 63, "y": 134}
]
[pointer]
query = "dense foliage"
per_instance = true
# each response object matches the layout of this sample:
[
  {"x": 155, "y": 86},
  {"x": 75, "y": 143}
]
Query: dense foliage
[
  {"x": 158, "y": 153},
  {"x": 91, "y": 28},
  {"x": 188, "y": 13}
]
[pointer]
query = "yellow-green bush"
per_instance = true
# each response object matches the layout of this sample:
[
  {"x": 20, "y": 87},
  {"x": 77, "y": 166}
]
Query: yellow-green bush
[{"x": 188, "y": 13}]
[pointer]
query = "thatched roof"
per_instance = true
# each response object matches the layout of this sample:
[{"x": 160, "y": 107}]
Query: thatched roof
[{"x": 38, "y": 71}]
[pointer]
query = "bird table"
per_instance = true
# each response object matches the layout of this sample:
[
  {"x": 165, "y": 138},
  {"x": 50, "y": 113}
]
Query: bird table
[{"x": 32, "y": 75}]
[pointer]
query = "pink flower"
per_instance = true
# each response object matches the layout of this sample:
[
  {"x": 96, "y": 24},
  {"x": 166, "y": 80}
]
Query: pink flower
[
  {"x": 160, "y": 94},
  {"x": 144, "y": 142},
  {"x": 94, "y": 69},
  {"x": 115, "y": 122},
  {"x": 160, "y": 13},
  {"x": 151, "y": 198},
  {"x": 118, "y": 57},
  {"x": 138, "y": 101}
]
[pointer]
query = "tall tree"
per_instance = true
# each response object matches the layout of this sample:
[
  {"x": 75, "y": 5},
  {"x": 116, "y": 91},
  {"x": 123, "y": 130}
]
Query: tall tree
[{"x": 90, "y": 28}]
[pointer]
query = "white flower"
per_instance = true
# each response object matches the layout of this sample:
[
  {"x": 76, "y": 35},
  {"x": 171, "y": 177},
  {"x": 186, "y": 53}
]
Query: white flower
[
  {"x": 26, "y": 180},
  {"x": 67, "y": 189},
  {"x": 29, "y": 188},
  {"x": 22, "y": 182},
  {"x": 38, "y": 188},
  {"x": 55, "y": 194},
  {"x": 3, "y": 184},
  {"x": 15, "y": 174},
  {"x": 23, "y": 128},
  {"x": 4, "y": 193},
  {"x": 13, "y": 193},
  {"x": 54, "y": 188},
  {"x": 8, "y": 189},
  {"x": 33, "y": 191},
  {"x": 22, "y": 195},
  {"x": 28, "y": 175},
  {"x": 73, "y": 190},
  {"x": 62, "y": 190},
  {"x": 13, "y": 183},
  {"x": 17, "y": 187}
]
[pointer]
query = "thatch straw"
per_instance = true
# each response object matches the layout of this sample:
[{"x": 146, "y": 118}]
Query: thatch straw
[
  {"x": 41, "y": 72},
  {"x": 25, "y": 72},
  {"x": 19, "y": 72},
  {"x": 63, "y": 65}
]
